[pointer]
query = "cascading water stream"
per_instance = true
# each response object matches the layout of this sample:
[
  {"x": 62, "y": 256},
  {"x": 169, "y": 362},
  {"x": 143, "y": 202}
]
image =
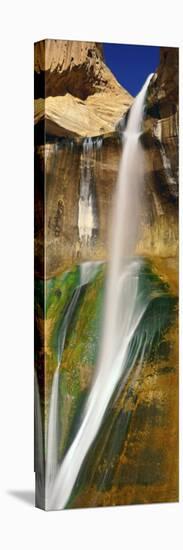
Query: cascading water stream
[
  {"x": 88, "y": 270},
  {"x": 87, "y": 216},
  {"x": 123, "y": 308},
  {"x": 53, "y": 423}
]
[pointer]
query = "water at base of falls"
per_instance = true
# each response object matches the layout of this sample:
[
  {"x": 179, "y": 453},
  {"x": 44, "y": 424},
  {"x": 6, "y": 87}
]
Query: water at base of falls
[
  {"x": 104, "y": 384},
  {"x": 123, "y": 308},
  {"x": 160, "y": 311}
]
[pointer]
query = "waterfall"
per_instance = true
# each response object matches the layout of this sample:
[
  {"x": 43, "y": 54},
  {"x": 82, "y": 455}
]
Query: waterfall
[
  {"x": 87, "y": 215},
  {"x": 123, "y": 308}
]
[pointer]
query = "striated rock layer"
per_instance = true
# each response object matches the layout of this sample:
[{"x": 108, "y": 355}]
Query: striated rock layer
[
  {"x": 75, "y": 92},
  {"x": 63, "y": 166}
]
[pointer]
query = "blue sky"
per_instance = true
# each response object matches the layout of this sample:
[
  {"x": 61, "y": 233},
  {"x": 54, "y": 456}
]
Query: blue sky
[{"x": 131, "y": 64}]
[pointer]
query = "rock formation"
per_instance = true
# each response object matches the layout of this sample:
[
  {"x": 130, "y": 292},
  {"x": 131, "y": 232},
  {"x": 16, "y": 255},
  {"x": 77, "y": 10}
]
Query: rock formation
[
  {"x": 163, "y": 94},
  {"x": 75, "y": 92},
  {"x": 62, "y": 157}
]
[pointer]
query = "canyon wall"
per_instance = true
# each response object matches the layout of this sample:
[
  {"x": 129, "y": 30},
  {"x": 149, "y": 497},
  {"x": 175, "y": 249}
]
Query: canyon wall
[{"x": 82, "y": 152}]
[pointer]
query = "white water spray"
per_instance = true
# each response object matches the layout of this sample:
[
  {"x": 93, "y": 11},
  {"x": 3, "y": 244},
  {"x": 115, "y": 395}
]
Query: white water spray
[
  {"x": 123, "y": 308},
  {"x": 87, "y": 219}
]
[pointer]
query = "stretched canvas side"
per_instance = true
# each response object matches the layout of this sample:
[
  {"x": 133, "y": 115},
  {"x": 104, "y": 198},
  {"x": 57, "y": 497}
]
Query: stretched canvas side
[{"x": 39, "y": 282}]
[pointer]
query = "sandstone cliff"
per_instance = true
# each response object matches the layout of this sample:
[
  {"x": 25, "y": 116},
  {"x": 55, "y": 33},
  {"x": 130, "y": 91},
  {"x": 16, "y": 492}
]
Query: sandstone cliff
[
  {"x": 64, "y": 160},
  {"x": 75, "y": 92},
  {"x": 162, "y": 114},
  {"x": 163, "y": 93}
]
